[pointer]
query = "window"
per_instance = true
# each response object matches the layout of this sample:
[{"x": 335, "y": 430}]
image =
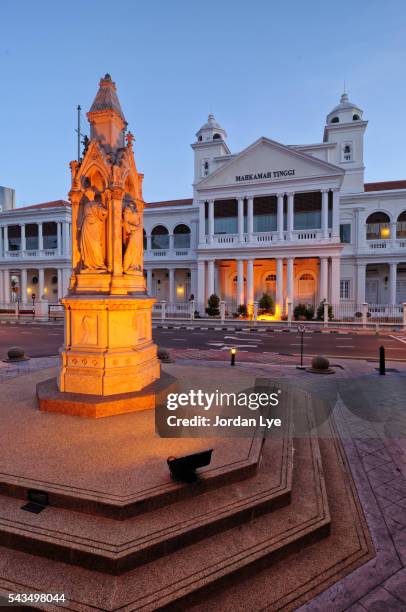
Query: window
[
  {"x": 345, "y": 233},
  {"x": 306, "y": 276},
  {"x": 356, "y": 117},
  {"x": 181, "y": 237},
  {"x": 270, "y": 278},
  {"x": 335, "y": 120},
  {"x": 205, "y": 168},
  {"x": 347, "y": 151},
  {"x": 160, "y": 237},
  {"x": 217, "y": 137},
  {"x": 345, "y": 289}
]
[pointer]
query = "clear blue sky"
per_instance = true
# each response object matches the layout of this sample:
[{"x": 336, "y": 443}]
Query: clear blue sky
[{"x": 262, "y": 67}]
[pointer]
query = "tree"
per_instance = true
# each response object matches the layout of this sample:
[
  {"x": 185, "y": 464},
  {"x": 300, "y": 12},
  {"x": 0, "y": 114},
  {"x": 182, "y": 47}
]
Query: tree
[
  {"x": 320, "y": 311},
  {"x": 266, "y": 303},
  {"x": 213, "y": 304}
]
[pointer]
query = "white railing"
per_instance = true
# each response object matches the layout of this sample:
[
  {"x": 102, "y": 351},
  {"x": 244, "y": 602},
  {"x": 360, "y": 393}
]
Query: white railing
[
  {"x": 166, "y": 253},
  {"x": 265, "y": 236},
  {"x": 31, "y": 253},
  {"x": 173, "y": 310},
  {"x": 379, "y": 244}
]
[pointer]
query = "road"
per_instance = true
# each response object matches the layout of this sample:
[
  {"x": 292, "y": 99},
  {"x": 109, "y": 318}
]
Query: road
[{"x": 42, "y": 340}]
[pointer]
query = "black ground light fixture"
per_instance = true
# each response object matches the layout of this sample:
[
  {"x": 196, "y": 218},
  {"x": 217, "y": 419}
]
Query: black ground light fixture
[
  {"x": 184, "y": 468},
  {"x": 382, "y": 365},
  {"x": 301, "y": 329},
  {"x": 233, "y": 353}
]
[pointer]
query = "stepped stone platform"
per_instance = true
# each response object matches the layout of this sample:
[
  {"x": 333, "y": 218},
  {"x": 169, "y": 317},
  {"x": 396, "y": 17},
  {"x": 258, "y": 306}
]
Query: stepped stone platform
[{"x": 271, "y": 522}]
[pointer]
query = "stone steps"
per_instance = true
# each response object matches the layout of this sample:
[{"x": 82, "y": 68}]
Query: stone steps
[
  {"x": 256, "y": 527},
  {"x": 115, "y": 546}
]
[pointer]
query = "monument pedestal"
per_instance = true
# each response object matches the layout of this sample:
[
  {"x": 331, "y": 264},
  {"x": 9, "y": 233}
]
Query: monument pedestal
[{"x": 108, "y": 346}]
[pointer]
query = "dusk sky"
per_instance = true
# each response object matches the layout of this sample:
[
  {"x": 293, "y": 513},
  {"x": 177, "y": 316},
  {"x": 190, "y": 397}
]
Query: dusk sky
[{"x": 263, "y": 68}]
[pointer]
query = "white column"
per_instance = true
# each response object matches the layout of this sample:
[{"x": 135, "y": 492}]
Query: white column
[
  {"x": 393, "y": 231},
  {"x": 5, "y": 239},
  {"x": 335, "y": 280},
  {"x": 23, "y": 240},
  {"x": 41, "y": 284},
  {"x": 393, "y": 270},
  {"x": 290, "y": 216},
  {"x": 65, "y": 280},
  {"x": 279, "y": 216},
  {"x": 250, "y": 282},
  {"x": 66, "y": 245},
  {"x": 279, "y": 287},
  {"x": 201, "y": 292},
  {"x": 361, "y": 276},
  {"x": 1, "y": 242},
  {"x": 171, "y": 242},
  {"x": 324, "y": 213},
  {"x": 323, "y": 281},
  {"x": 335, "y": 232},
  {"x": 211, "y": 221},
  {"x": 241, "y": 219},
  {"x": 171, "y": 285},
  {"x": 23, "y": 296},
  {"x": 60, "y": 288},
  {"x": 58, "y": 238},
  {"x": 193, "y": 282},
  {"x": 6, "y": 285},
  {"x": 40, "y": 237},
  {"x": 240, "y": 282},
  {"x": 202, "y": 222},
  {"x": 250, "y": 218},
  {"x": 210, "y": 277},
  {"x": 290, "y": 280},
  {"x": 149, "y": 281},
  {"x": 148, "y": 242}
]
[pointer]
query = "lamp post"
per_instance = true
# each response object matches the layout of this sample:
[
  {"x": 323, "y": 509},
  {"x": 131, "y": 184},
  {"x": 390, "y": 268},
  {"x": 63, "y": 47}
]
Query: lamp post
[{"x": 301, "y": 329}]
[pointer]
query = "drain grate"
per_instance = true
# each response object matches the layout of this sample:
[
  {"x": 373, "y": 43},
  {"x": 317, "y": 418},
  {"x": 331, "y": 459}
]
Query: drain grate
[{"x": 32, "y": 507}]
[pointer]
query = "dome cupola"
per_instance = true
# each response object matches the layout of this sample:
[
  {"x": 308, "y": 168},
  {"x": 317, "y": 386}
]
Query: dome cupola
[
  {"x": 211, "y": 131},
  {"x": 345, "y": 112}
]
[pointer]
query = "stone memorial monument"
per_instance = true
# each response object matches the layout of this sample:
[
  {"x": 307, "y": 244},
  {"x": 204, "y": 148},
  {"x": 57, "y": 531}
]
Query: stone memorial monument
[{"x": 108, "y": 347}]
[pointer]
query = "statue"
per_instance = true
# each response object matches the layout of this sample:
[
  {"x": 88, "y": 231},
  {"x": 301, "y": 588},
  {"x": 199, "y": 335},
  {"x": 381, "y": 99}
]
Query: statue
[
  {"x": 92, "y": 237},
  {"x": 132, "y": 239}
]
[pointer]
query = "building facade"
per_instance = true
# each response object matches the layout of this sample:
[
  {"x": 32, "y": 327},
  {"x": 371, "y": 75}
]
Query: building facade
[{"x": 295, "y": 221}]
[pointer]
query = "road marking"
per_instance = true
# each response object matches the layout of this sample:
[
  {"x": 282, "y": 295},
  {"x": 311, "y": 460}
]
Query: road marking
[
  {"x": 400, "y": 338},
  {"x": 345, "y": 346},
  {"x": 245, "y": 339}
]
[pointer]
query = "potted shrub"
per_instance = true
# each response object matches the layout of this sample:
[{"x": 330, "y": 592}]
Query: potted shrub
[
  {"x": 266, "y": 304},
  {"x": 242, "y": 311},
  {"x": 213, "y": 304},
  {"x": 320, "y": 311}
]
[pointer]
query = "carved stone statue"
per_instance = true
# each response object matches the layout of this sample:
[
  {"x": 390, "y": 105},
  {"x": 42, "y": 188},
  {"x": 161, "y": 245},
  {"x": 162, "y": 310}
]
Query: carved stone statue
[
  {"x": 92, "y": 237},
  {"x": 132, "y": 239}
]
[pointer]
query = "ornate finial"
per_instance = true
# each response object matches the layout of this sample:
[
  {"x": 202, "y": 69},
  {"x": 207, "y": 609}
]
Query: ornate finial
[{"x": 129, "y": 139}]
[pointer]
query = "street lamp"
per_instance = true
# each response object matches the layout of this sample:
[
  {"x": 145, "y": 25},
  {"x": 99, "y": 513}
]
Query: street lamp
[{"x": 301, "y": 329}]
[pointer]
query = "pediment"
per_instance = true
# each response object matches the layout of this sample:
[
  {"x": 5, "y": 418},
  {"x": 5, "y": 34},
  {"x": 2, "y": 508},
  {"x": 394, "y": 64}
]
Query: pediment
[{"x": 269, "y": 161}]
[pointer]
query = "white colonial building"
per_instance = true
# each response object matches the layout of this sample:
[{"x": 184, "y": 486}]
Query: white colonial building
[{"x": 295, "y": 221}]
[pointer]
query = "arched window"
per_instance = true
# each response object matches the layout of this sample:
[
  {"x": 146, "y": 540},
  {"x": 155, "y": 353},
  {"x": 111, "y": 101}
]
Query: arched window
[
  {"x": 347, "y": 152},
  {"x": 335, "y": 120},
  {"x": 181, "y": 237},
  {"x": 200, "y": 138},
  {"x": 160, "y": 237},
  {"x": 356, "y": 117},
  {"x": 378, "y": 226},
  {"x": 306, "y": 276},
  {"x": 270, "y": 278},
  {"x": 401, "y": 225},
  {"x": 217, "y": 137},
  {"x": 205, "y": 168}
]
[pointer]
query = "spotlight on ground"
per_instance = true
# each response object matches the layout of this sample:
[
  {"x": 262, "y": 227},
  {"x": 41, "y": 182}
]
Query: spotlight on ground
[
  {"x": 233, "y": 353},
  {"x": 184, "y": 468}
]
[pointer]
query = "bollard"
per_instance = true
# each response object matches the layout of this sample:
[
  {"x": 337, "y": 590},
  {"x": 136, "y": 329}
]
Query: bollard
[
  {"x": 382, "y": 366},
  {"x": 222, "y": 311},
  {"x": 233, "y": 353}
]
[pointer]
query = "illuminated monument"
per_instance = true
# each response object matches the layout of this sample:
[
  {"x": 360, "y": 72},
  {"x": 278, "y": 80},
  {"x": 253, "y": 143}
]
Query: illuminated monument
[{"x": 108, "y": 347}]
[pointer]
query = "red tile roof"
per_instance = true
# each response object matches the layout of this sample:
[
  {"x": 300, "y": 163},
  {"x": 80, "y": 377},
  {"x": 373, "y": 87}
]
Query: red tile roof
[
  {"x": 385, "y": 185},
  {"x": 54, "y": 204},
  {"x": 184, "y": 202}
]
